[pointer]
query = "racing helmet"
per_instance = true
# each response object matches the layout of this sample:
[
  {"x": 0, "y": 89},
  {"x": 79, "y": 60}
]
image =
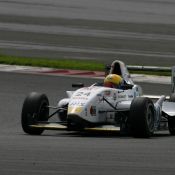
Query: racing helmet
[{"x": 113, "y": 81}]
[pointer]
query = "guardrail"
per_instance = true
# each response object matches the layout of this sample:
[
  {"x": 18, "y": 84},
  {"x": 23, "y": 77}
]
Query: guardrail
[
  {"x": 142, "y": 68},
  {"x": 149, "y": 68},
  {"x": 154, "y": 69}
]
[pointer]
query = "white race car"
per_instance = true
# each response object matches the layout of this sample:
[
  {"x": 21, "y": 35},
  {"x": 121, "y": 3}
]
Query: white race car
[{"x": 99, "y": 108}]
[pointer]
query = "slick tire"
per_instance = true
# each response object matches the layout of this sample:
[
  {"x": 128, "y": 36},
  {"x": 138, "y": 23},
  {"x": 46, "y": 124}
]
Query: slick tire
[
  {"x": 34, "y": 109},
  {"x": 142, "y": 117}
]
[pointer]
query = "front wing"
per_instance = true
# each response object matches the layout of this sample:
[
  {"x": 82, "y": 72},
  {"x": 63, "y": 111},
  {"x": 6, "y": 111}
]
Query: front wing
[{"x": 58, "y": 126}]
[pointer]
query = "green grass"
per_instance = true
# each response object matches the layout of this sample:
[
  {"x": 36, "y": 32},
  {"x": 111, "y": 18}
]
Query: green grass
[
  {"x": 65, "y": 64},
  {"x": 53, "y": 63}
]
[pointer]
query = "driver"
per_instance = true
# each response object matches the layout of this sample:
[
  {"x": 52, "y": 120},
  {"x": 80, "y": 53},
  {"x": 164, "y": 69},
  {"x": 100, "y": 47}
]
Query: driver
[{"x": 113, "y": 81}]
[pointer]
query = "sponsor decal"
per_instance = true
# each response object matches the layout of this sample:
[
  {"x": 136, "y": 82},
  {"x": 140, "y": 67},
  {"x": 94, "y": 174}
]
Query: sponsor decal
[
  {"x": 93, "y": 110},
  {"x": 80, "y": 98},
  {"x": 87, "y": 94},
  {"x": 74, "y": 109},
  {"x": 122, "y": 96},
  {"x": 76, "y": 103},
  {"x": 78, "y": 94},
  {"x": 82, "y": 94}
]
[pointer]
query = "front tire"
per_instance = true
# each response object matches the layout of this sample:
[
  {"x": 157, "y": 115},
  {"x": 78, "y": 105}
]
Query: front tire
[
  {"x": 35, "y": 108},
  {"x": 142, "y": 117}
]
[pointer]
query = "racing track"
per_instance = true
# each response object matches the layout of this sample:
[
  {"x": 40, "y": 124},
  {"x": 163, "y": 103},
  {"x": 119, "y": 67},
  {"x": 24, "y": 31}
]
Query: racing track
[
  {"x": 61, "y": 153},
  {"x": 137, "y": 32}
]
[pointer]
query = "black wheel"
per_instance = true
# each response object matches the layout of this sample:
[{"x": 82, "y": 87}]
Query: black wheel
[
  {"x": 34, "y": 109},
  {"x": 171, "y": 125},
  {"x": 142, "y": 117},
  {"x": 171, "y": 120}
]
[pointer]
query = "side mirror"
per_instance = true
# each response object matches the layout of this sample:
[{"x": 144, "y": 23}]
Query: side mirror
[{"x": 78, "y": 85}]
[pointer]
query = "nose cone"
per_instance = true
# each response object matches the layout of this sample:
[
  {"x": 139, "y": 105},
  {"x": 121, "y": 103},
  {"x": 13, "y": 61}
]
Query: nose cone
[
  {"x": 76, "y": 123},
  {"x": 75, "y": 110}
]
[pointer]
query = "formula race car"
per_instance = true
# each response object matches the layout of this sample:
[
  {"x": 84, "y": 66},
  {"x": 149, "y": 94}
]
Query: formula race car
[{"x": 99, "y": 108}]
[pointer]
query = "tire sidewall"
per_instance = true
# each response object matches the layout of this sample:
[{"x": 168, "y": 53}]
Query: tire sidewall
[
  {"x": 32, "y": 112},
  {"x": 142, "y": 117},
  {"x": 171, "y": 120}
]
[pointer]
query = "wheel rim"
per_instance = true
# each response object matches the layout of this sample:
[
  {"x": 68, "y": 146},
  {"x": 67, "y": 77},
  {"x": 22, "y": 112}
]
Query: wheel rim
[
  {"x": 150, "y": 118},
  {"x": 43, "y": 111}
]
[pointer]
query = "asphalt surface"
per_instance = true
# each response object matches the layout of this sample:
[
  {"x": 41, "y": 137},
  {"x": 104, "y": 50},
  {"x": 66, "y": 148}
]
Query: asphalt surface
[
  {"x": 57, "y": 152},
  {"x": 137, "y": 32}
]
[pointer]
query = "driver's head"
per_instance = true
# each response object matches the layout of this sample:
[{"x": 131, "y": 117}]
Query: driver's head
[{"x": 113, "y": 81}]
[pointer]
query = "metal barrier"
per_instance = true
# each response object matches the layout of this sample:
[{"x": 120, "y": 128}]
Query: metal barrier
[
  {"x": 142, "y": 68},
  {"x": 149, "y": 68}
]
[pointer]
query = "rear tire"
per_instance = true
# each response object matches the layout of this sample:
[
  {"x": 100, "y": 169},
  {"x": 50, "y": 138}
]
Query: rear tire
[
  {"x": 34, "y": 109},
  {"x": 171, "y": 125},
  {"x": 171, "y": 120},
  {"x": 142, "y": 117}
]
